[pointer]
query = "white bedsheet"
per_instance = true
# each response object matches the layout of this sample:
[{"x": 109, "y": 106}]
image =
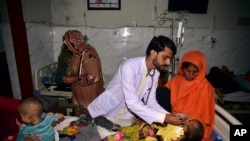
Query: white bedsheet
[
  {"x": 65, "y": 122},
  {"x": 221, "y": 127},
  {"x": 239, "y": 96}
]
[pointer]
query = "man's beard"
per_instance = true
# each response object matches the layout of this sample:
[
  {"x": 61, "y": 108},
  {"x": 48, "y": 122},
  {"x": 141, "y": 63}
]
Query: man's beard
[{"x": 160, "y": 68}]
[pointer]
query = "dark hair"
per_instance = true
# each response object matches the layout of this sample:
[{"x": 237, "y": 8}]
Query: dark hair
[
  {"x": 187, "y": 64},
  {"x": 196, "y": 132},
  {"x": 158, "y": 43}
]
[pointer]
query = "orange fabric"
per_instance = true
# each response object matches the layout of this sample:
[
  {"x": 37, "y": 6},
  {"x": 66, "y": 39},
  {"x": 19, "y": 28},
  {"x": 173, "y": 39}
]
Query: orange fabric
[{"x": 194, "y": 98}]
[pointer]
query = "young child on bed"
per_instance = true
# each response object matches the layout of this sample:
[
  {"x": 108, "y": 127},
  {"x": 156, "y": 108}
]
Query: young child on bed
[
  {"x": 191, "y": 130},
  {"x": 35, "y": 121}
]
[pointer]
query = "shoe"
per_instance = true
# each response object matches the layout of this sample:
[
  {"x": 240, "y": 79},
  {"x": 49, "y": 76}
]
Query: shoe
[
  {"x": 105, "y": 123},
  {"x": 84, "y": 119}
]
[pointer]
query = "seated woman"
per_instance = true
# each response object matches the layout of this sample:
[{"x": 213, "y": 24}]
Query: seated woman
[
  {"x": 191, "y": 129},
  {"x": 191, "y": 93}
]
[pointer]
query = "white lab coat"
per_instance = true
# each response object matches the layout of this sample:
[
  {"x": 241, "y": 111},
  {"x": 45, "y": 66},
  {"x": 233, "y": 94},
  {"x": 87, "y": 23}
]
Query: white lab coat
[{"x": 122, "y": 96}]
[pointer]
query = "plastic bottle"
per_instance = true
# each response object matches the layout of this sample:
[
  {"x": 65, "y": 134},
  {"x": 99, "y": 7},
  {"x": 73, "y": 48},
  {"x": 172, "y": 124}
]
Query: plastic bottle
[{"x": 218, "y": 138}]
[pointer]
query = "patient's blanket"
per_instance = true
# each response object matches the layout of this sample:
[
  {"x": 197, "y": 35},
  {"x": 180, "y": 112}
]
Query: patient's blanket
[{"x": 145, "y": 132}]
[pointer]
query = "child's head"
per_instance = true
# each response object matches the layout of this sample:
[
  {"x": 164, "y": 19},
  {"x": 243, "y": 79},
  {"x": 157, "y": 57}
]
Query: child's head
[
  {"x": 194, "y": 130},
  {"x": 30, "y": 109},
  {"x": 190, "y": 130}
]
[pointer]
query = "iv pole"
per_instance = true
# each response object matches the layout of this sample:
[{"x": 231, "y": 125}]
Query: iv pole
[
  {"x": 179, "y": 42},
  {"x": 179, "y": 38}
]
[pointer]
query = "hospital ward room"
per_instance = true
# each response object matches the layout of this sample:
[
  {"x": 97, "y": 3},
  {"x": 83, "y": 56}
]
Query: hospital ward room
[{"x": 113, "y": 70}]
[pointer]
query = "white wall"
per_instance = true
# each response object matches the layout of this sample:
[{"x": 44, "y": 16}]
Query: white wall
[
  {"x": 70, "y": 13},
  {"x": 37, "y": 11}
]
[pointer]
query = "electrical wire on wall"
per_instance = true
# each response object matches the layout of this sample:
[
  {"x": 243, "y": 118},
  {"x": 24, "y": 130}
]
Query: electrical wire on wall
[
  {"x": 155, "y": 17},
  {"x": 163, "y": 18},
  {"x": 155, "y": 14},
  {"x": 85, "y": 24},
  {"x": 85, "y": 21},
  {"x": 213, "y": 39}
]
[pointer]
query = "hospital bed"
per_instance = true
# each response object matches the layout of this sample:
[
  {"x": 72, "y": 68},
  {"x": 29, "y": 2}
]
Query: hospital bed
[
  {"x": 223, "y": 119},
  {"x": 45, "y": 74},
  {"x": 232, "y": 91},
  {"x": 235, "y": 103},
  {"x": 44, "y": 82},
  {"x": 46, "y": 88}
]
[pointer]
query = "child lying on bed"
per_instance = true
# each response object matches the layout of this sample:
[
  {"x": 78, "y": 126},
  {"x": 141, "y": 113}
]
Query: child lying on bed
[
  {"x": 192, "y": 129},
  {"x": 35, "y": 121}
]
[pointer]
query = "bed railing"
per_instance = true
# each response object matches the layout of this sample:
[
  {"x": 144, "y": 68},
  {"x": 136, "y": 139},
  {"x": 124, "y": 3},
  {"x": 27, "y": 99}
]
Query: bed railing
[
  {"x": 40, "y": 73},
  {"x": 223, "y": 119}
]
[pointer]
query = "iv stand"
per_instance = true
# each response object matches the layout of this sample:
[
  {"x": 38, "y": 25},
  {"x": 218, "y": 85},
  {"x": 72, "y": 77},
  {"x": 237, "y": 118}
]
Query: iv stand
[
  {"x": 179, "y": 41},
  {"x": 179, "y": 38}
]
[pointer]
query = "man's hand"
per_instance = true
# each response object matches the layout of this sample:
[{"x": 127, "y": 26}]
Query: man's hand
[{"x": 175, "y": 119}]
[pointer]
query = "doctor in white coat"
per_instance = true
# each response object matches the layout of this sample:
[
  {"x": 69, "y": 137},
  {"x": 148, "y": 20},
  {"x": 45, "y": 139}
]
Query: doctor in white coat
[{"x": 132, "y": 90}]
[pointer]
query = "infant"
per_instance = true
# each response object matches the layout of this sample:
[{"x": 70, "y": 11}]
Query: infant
[{"x": 35, "y": 121}]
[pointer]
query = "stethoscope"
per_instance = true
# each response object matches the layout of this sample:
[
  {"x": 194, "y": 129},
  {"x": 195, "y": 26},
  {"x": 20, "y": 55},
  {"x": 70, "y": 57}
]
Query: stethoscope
[{"x": 149, "y": 89}]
